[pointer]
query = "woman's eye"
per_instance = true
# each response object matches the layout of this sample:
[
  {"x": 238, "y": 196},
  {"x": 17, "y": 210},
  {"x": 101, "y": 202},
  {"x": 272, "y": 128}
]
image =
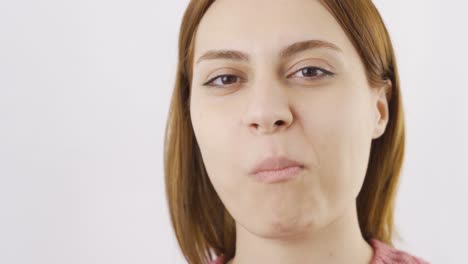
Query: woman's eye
[
  {"x": 309, "y": 72},
  {"x": 312, "y": 72},
  {"x": 222, "y": 80}
]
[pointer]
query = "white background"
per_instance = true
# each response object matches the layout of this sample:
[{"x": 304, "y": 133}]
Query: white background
[{"x": 84, "y": 95}]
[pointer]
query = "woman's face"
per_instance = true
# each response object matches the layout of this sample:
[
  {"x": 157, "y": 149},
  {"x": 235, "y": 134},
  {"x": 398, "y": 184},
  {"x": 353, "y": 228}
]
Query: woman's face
[{"x": 326, "y": 112}]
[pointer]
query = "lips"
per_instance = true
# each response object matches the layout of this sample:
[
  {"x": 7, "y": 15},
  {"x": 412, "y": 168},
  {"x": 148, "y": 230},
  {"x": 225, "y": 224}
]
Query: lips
[{"x": 274, "y": 164}]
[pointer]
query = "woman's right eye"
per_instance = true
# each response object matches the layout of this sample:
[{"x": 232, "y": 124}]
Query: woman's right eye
[{"x": 225, "y": 80}]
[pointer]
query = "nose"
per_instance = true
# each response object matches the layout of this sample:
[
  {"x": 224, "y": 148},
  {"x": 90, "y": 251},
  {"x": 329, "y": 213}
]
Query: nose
[{"x": 268, "y": 110}]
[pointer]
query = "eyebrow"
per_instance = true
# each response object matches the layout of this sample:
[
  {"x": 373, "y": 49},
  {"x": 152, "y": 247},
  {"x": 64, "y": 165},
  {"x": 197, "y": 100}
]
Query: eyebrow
[{"x": 284, "y": 53}]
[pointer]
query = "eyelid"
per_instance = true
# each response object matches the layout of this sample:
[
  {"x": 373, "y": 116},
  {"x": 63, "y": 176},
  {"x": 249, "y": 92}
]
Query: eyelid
[{"x": 310, "y": 61}]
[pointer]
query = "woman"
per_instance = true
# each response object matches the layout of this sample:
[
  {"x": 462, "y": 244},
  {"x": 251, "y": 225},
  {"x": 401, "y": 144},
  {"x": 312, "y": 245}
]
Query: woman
[{"x": 285, "y": 138}]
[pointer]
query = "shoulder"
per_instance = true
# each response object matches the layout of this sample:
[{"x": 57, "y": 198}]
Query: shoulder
[
  {"x": 385, "y": 254},
  {"x": 218, "y": 260}
]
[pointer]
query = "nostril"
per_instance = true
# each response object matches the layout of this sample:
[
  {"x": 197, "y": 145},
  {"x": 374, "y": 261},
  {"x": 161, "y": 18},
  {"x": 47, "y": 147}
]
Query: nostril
[{"x": 279, "y": 122}]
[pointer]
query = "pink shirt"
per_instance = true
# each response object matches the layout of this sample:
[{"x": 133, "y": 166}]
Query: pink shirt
[{"x": 383, "y": 254}]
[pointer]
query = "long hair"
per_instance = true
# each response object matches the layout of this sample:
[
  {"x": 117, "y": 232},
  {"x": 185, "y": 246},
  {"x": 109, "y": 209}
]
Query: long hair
[{"x": 202, "y": 224}]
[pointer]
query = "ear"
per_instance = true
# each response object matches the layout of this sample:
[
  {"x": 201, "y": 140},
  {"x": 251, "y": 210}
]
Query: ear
[{"x": 381, "y": 98}]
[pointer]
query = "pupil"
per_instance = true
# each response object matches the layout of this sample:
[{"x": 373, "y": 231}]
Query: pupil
[
  {"x": 308, "y": 71},
  {"x": 227, "y": 78}
]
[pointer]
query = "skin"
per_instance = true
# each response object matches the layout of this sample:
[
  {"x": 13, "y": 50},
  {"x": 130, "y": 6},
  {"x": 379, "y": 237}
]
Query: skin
[{"x": 326, "y": 122}]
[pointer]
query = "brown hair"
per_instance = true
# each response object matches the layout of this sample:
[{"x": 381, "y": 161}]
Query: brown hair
[{"x": 202, "y": 224}]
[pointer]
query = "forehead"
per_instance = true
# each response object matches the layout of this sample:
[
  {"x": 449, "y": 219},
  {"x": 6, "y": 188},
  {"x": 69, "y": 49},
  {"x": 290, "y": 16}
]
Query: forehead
[{"x": 266, "y": 26}]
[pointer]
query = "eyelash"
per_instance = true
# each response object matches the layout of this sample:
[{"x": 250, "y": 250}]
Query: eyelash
[{"x": 325, "y": 74}]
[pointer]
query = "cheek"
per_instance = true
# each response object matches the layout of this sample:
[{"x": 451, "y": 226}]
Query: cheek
[
  {"x": 218, "y": 151},
  {"x": 216, "y": 122},
  {"x": 339, "y": 131},
  {"x": 215, "y": 143}
]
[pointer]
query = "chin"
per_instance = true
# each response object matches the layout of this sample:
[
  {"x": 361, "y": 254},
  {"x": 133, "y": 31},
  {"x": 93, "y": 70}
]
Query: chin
[{"x": 287, "y": 230}]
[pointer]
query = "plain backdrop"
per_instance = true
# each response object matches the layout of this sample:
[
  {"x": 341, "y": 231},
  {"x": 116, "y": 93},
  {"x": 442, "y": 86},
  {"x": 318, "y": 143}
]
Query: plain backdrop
[{"x": 84, "y": 96}]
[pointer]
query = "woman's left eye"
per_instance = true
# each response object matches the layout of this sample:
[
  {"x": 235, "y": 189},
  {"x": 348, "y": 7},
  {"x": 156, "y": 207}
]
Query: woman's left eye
[{"x": 312, "y": 72}]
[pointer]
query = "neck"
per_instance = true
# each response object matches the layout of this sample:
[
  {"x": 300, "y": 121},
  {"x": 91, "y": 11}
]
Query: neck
[{"x": 338, "y": 242}]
